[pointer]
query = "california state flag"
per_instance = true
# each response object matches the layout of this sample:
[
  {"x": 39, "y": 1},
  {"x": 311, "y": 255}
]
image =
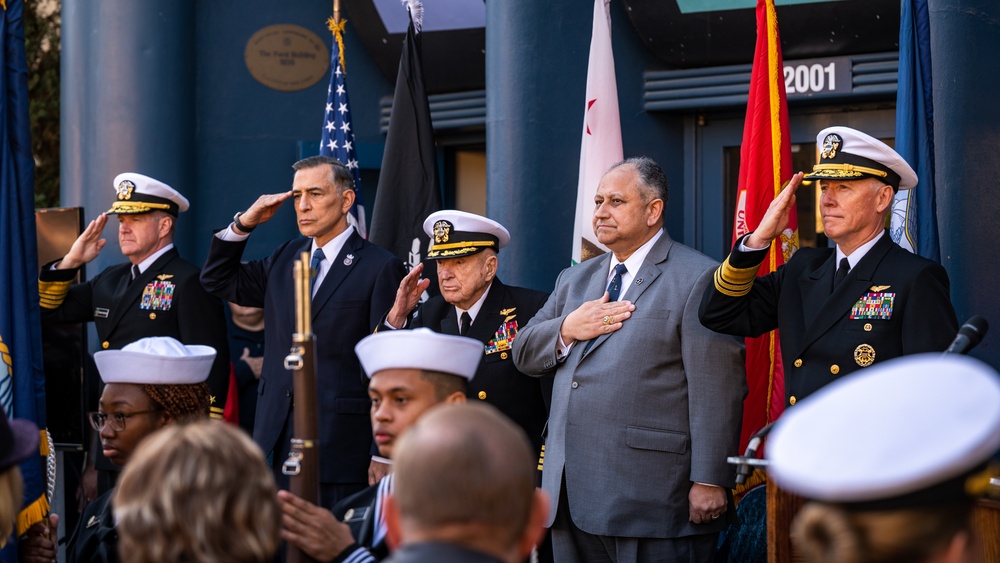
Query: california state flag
[
  {"x": 602, "y": 132},
  {"x": 765, "y": 167}
]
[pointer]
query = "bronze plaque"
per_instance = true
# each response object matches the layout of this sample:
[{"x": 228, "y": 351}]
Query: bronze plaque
[{"x": 287, "y": 57}]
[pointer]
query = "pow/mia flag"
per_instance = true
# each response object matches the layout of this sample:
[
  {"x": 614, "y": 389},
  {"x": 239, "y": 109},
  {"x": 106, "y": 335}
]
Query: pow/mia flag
[{"x": 408, "y": 186}]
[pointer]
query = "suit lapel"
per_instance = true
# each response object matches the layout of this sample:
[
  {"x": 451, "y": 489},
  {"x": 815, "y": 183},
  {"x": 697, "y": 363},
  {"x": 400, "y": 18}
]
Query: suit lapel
[
  {"x": 340, "y": 268},
  {"x": 833, "y": 308},
  {"x": 128, "y": 293}
]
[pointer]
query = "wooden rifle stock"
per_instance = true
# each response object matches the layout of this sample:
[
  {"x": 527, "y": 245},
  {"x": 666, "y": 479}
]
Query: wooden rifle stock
[{"x": 302, "y": 465}]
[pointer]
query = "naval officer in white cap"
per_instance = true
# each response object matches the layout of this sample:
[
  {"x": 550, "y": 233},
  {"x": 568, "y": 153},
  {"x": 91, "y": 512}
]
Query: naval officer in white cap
[
  {"x": 838, "y": 309},
  {"x": 155, "y": 293},
  {"x": 410, "y": 372},
  {"x": 149, "y": 384},
  {"x": 475, "y": 303},
  {"x": 892, "y": 460}
]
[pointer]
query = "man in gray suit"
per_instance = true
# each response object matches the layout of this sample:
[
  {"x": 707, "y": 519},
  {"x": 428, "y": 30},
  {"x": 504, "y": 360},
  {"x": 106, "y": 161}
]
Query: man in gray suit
[{"x": 647, "y": 403}]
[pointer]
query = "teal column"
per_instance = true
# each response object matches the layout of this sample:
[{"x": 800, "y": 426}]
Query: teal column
[
  {"x": 536, "y": 72},
  {"x": 967, "y": 157},
  {"x": 127, "y": 103}
]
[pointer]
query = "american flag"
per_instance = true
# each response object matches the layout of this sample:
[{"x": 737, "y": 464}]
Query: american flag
[{"x": 338, "y": 138}]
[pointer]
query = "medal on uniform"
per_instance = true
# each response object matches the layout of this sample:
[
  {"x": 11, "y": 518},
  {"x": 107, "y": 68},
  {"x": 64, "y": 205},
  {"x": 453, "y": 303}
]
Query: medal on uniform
[{"x": 864, "y": 355}]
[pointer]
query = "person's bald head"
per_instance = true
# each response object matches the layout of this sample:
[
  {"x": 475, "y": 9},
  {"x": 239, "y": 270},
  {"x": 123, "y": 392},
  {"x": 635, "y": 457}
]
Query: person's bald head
[{"x": 466, "y": 473}]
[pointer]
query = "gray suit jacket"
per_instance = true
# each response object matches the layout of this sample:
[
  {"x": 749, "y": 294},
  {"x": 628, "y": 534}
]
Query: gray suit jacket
[{"x": 649, "y": 409}]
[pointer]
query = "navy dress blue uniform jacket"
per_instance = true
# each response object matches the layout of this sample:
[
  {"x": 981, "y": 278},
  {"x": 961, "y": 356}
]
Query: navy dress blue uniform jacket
[
  {"x": 165, "y": 300},
  {"x": 505, "y": 310},
  {"x": 827, "y": 333},
  {"x": 359, "y": 287}
]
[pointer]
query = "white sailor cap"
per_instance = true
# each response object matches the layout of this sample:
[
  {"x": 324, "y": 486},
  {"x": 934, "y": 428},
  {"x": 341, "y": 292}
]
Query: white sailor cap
[
  {"x": 912, "y": 431},
  {"x": 849, "y": 154},
  {"x": 419, "y": 349},
  {"x": 141, "y": 194},
  {"x": 457, "y": 233},
  {"x": 157, "y": 360}
]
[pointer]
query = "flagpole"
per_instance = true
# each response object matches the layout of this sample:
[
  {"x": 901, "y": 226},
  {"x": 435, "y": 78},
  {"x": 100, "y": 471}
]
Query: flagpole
[{"x": 336, "y": 11}]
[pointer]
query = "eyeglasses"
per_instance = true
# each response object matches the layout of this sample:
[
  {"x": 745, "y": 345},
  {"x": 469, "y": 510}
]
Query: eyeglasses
[{"x": 115, "y": 419}]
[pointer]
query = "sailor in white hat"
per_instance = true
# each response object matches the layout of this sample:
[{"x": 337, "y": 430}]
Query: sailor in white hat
[
  {"x": 150, "y": 383},
  {"x": 154, "y": 293},
  {"x": 464, "y": 248},
  {"x": 410, "y": 371},
  {"x": 843, "y": 308},
  {"x": 892, "y": 459}
]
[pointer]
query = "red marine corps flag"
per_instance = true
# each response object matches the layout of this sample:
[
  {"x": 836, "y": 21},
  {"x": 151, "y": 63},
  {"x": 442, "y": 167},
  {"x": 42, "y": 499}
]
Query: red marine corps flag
[{"x": 765, "y": 168}]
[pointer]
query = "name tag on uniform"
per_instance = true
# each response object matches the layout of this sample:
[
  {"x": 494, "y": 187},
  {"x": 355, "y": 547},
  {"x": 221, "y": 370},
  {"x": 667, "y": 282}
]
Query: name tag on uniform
[{"x": 101, "y": 313}]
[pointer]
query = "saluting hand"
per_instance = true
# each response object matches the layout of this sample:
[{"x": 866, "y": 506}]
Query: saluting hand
[
  {"x": 408, "y": 295},
  {"x": 776, "y": 218},
  {"x": 263, "y": 209},
  {"x": 87, "y": 246},
  {"x": 594, "y": 318}
]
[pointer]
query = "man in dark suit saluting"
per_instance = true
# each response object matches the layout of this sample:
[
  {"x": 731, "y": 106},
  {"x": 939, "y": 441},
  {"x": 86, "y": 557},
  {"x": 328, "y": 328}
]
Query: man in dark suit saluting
[
  {"x": 838, "y": 309},
  {"x": 475, "y": 303},
  {"x": 354, "y": 285}
]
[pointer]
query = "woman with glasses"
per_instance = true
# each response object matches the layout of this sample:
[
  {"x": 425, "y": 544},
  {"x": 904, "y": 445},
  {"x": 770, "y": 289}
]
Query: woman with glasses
[{"x": 151, "y": 383}]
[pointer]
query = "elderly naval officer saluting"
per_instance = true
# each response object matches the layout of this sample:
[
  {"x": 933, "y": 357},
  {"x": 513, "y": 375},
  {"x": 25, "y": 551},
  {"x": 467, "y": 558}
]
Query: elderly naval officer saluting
[
  {"x": 838, "y": 309},
  {"x": 475, "y": 303},
  {"x": 155, "y": 293}
]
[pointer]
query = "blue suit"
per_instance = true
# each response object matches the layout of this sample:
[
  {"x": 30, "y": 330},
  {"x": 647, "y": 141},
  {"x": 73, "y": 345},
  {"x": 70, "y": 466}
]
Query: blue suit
[{"x": 359, "y": 287}]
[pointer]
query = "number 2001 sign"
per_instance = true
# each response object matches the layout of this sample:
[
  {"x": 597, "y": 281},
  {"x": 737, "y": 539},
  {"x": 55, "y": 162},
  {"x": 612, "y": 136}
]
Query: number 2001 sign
[{"x": 805, "y": 78}]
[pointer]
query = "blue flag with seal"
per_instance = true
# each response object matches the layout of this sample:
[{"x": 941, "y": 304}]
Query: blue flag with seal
[
  {"x": 338, "y": 138},
  {"x": 914, "y": 212},
  {"x": 22, "y": 379}
]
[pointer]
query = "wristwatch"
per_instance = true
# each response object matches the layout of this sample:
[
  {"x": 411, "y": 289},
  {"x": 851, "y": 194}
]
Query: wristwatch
[{"x": 241, "y": 226}]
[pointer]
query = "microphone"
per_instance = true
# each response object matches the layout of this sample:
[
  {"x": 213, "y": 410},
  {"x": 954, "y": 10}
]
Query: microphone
[
  {"x": 745, "y": 463},
  {"x": 971, "y": 334}
]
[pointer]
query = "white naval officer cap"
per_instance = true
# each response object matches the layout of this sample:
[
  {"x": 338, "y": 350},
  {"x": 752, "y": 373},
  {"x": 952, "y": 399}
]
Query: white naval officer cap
[
  {"x": 456, "y": 233},
  {"x": 849, "y": 154},
  {"x": 419, "y": 349},
  {"x": 141, "y": 194},
  {"x": 909, "y": 432},
  {"x": 156, "y": 360}
]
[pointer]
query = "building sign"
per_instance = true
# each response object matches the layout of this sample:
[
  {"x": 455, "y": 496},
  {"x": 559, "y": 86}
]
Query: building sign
[
  {"x": 287, "y": 57},
  {"x": 812, "y": 77}
]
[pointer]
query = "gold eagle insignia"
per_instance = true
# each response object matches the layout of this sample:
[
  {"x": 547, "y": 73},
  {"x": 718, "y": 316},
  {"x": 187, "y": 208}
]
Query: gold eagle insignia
[
  {"x": 164, "y": 277},
  {"x": 878, "y": 288},
  {"x": 507, "y": 311}
]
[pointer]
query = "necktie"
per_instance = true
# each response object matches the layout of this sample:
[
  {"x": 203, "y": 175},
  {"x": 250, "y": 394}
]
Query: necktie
[
  {"x": 842, "y": 271},
  {"x": 615, "y": 286},
  {"x": 466, "y": 323},
  {"x": 614, "y": 290},
  {"x": 318, "y": 257},
  {"x": 135, "y": 272}
]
